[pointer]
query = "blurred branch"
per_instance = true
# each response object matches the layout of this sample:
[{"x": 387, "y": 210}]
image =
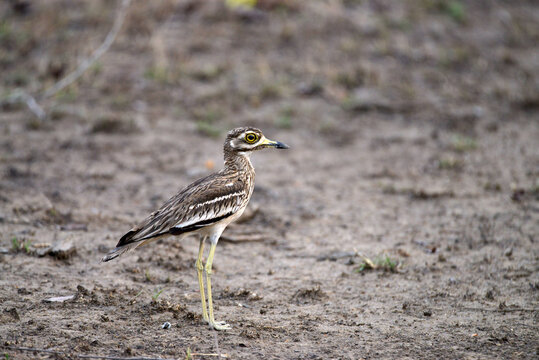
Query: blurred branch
[
  {"x": 85, "y": 64},
  {"x": 21, "y": 96}
]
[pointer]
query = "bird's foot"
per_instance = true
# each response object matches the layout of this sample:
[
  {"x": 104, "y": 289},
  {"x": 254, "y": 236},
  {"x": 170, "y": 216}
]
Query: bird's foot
[{"x": 219, "y": 325}]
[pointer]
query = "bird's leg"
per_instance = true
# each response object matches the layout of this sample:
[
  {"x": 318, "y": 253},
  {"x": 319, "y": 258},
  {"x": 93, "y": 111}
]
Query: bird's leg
[
  {"x": 217, "y": 325},
  {"x": 200, "y": 267}
]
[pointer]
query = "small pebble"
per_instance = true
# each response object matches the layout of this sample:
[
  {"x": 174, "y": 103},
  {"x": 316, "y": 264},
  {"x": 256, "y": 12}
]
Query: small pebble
[
  {"x": 405, "y": 305},
  {"x": 60, "y": 298},
  {"x": 166, "y": 325}
]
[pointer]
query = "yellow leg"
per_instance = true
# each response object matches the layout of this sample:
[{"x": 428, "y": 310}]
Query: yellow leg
[
  {"x": 217, "y": 325},
  {"x": 200, "y": 267}
]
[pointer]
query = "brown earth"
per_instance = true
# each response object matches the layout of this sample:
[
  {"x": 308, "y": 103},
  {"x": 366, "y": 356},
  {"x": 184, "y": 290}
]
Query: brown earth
[{"x": 413, "y": 128}]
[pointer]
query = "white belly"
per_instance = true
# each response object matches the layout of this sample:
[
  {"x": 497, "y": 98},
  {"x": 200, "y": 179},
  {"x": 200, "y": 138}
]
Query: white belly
[{"x": 214, "y": 231}]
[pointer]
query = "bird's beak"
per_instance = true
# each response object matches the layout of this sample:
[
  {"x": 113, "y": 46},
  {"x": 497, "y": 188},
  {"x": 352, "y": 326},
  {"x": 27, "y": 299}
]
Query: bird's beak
[{"x": 275, "y": 144}]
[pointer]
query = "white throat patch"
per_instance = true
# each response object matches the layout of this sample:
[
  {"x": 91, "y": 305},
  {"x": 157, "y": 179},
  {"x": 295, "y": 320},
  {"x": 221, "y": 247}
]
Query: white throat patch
[{"x": 246, "y": 154}]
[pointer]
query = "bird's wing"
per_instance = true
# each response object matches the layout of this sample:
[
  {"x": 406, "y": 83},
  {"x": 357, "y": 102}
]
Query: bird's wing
[{"x": 201, "y": 204}]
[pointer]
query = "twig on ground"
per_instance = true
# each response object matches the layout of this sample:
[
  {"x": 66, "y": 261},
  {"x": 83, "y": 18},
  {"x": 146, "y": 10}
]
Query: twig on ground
[
  {"x": 224, "y": 356},
  {"x": 216, "y": 343},
  {"x": 239, "y": 238},
  {"x": 366, "y": 260}
]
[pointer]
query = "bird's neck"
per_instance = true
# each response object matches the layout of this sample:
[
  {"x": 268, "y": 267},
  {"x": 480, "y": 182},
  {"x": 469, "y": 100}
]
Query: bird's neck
[{"x": 239, "y": 163}]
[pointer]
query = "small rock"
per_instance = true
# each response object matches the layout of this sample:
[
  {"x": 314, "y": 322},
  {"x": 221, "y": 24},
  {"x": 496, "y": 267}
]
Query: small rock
[
  {"x": 310, "y": 89},
  {"x": 43, "y": 251},
  {"x": 82, "y": 290},
  {"x": 336, "y": 255},
  {"x": 12, "y": 313},
  {"x": 60, "y": 298},
  {"x": 405, "y": 305},
  {"x": 63, "y": 250},
  {"x": 427, "y": 313},
  {"x": 166, "y": 325},
  {"x": 508, "y": 252}
]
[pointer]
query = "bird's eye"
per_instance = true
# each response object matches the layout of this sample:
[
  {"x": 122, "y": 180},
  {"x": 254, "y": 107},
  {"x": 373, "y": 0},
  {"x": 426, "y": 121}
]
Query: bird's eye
[{"x": 251, "y": 138}]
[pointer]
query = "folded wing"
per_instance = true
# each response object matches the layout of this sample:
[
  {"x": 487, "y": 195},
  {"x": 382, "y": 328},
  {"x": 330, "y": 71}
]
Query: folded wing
[{"x": 202, "y": 204}]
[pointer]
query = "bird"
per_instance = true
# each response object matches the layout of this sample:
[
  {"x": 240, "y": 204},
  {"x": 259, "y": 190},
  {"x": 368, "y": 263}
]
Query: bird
[{"x": 205, "y": 208}]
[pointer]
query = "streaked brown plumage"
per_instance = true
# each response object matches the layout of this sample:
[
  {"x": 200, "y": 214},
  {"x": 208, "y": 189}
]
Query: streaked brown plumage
[{"x": 205, "y": 207}]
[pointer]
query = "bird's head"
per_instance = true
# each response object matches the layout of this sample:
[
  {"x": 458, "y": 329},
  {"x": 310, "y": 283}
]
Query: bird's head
[{"x": 244, "y": 140}]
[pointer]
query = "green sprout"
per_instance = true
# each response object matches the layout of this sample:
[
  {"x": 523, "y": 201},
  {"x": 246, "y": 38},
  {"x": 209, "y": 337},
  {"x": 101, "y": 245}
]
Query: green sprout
[
  {"x": 27, "y": 245},
  {"x": 461, "y": 143},
  {"x": 158, "y": 293},
  {"x": 383, "y": 262},
  {"x": 456, "y": 10},
  {"x": 148, "y": 275},
  {"x": 15, "y": 244}
]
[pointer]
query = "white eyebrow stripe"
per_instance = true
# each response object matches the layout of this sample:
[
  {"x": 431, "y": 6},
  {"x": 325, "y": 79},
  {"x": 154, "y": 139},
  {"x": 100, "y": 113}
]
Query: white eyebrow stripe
[{"x": 230, "y": 184}]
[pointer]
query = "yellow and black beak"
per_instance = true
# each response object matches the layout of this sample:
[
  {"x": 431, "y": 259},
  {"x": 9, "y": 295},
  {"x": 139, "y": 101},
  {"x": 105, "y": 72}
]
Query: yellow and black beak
[{"x": 275, "y": 144}]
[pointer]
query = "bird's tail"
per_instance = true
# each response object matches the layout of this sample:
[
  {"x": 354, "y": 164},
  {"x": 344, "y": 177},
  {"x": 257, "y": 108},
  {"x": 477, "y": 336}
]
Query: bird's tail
[{"x": 120, "y": 250}]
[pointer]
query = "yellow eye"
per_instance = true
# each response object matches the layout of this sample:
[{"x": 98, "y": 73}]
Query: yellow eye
[{"x": 251, "y": 138}]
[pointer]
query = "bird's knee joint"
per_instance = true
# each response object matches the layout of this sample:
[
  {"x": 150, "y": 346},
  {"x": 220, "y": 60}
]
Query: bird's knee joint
[
  {"x": 207, "y": 270},
  {"x": 199, "y": 266}
]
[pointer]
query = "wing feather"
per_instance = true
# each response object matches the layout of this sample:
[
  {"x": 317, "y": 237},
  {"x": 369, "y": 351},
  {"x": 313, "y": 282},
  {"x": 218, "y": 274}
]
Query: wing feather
[{"x": 201, "y": 204}]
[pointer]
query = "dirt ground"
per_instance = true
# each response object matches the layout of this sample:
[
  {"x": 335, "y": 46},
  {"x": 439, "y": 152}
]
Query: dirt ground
[{"x": 413, "y": 128}]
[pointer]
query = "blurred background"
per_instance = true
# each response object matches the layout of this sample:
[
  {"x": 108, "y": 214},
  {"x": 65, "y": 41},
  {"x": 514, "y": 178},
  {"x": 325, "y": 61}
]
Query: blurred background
[{"x": 414, "y": 133}]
